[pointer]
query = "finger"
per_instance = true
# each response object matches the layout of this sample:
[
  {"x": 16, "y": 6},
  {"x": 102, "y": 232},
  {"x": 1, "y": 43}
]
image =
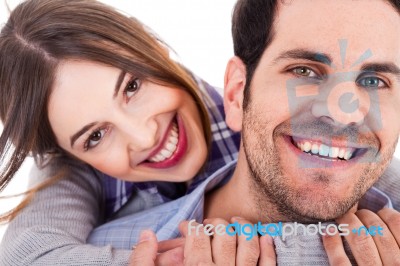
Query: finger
[
  {"x": 223, "y": 245},
  {"x": 392, "y": 219},
  {"x": 362, "y": 245},
  {"x": 248, "y": 250},
  {"x": 267, "y": 251},
  {"x": 384, "y": 240},
  {"x": 197, "y": 248},
  {"x": 183, "y": 227},
  {"x": 334, "y": 249},
  {"x": 145, "y": 251},
  {"x": 166, "y": 245},
  {"x": 171, "y": 257}
]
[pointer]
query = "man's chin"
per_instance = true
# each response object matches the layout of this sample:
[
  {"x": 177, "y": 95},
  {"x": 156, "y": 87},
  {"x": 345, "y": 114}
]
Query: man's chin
[{"x": 318, "y": 210}]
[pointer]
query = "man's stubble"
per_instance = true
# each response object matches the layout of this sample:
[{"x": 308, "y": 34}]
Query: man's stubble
[{"x": 270, "y": 185}]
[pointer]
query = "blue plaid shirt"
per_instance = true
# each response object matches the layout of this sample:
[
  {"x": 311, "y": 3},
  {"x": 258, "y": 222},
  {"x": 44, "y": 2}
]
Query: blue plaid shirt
[{"x": 224, "y": 149}]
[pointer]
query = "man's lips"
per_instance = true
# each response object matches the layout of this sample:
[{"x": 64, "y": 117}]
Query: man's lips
[{"x": 328, "y": 148}]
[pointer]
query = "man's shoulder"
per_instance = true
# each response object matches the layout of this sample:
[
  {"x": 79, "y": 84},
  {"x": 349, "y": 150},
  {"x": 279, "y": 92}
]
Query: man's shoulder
[{"x": 389, "y": 182}]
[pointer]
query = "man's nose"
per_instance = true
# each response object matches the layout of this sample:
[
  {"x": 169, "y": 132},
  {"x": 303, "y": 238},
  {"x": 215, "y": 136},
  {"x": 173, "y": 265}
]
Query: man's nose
[{"x": 343, "y": 105}]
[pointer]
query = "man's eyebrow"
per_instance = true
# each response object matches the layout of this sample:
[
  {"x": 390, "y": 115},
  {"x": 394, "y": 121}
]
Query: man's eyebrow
[
  {"x": 306, "y": 55},
  {"x": 118, "y": 83},
  {"x": 381, "y": 68},
  {"x": 80, "y": 133}
]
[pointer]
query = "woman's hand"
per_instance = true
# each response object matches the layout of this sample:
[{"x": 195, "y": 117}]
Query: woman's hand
[
  {"x": 367, "y": 250},
  {"x": 199, "y": 248},
  {"x": 149, "y": 253},
  {"x": 224, "y": 249}
]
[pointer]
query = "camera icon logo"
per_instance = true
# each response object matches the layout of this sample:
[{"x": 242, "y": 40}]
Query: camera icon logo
[{"x": 352, "y": 108}]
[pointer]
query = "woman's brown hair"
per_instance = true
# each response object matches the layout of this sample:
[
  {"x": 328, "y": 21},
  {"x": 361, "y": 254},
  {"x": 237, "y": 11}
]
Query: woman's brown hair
[{"x": 38, "y": 35}]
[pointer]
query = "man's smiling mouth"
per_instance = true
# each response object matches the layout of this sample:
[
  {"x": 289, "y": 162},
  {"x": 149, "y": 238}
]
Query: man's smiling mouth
[{"x": 326, "y": 151}]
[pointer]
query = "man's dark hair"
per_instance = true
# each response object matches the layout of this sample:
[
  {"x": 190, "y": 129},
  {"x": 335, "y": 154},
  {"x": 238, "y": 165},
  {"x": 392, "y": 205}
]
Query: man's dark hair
[{"x": 252, "y": 32}]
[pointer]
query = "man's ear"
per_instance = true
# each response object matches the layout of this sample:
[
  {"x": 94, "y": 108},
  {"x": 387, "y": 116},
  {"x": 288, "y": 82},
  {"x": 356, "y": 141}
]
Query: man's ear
[{"x": 234, "y": 83}]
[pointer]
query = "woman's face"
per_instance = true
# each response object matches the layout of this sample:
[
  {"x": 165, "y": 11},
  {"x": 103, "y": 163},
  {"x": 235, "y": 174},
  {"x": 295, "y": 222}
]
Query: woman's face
[{"x": 125, "y": 127}]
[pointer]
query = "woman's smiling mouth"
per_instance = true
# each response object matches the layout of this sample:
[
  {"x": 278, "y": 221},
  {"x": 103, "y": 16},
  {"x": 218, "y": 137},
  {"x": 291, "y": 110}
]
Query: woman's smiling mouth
[
  {"x": 169, "y": 146},
  {"x": 172, "y": 147}
]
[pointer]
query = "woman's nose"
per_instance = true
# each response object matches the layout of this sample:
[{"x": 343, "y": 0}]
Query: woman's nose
[{"x": 140, "y": 134}]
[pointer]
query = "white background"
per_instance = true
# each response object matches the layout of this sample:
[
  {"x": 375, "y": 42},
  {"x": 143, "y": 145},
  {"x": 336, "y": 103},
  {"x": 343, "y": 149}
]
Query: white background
[{"x": 198, "y": 30}]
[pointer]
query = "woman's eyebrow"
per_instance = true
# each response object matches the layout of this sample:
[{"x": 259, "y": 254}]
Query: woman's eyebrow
[
  {"x": 81, "y": 132},
  {"x": 119, "y": 81}
]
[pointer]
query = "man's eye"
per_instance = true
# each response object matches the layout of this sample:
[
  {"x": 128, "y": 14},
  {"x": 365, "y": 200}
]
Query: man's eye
[
  {"x": 94, "y": 139},
  {"x": 132, "y": 87},
  {"x": 305, "y": 72},
  {"x": 372, "y": 82}
]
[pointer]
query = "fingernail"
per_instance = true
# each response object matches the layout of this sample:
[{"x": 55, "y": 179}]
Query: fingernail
[
  {"x": 268, "y": 239},
  {"x": 145, "y": 236},
  {"x": 326, "y": 236},
  {"x": 331, "y": 230},
  {"x": 236, "y": 218}
]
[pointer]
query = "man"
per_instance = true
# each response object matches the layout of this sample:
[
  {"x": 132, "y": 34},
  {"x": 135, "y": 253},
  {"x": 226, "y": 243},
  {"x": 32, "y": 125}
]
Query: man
[{"x": 315, "y": 90}]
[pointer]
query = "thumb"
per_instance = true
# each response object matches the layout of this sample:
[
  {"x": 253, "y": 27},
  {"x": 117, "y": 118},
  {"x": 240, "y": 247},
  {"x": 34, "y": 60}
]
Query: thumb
[{"x": 145, "y": 252}]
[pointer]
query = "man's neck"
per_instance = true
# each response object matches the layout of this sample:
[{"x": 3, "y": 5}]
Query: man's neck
[{"x": 237, "y": 198}]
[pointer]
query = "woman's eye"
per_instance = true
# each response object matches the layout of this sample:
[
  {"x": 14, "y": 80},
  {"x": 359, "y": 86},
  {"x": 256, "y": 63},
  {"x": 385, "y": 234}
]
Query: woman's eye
[
  {"x": 94, "y": 139},
  {"x": 305, "y": 72},
  {"x": 132, "y": 87},
  {"x": 372, "y": 82}
]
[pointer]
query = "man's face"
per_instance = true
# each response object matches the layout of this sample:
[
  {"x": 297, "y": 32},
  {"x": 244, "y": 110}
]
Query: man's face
[{"x": 323, "y": 118}]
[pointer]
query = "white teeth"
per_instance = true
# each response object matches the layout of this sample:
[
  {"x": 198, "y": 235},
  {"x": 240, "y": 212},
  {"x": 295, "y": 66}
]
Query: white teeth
[
  {"x": 169, "y": 146},
  {"x": 341, "y": 153},
  {"x": 173, "y": 140},
  {"x": 307, "y": 146},
  {"x": 166, "y": 153},
  {"x": 325, "y": 150},
  {"x": 333, "y": 152},
  {"x": 347, "y": 155},
  {"x": 159, "y": 157},
  {"x": 315, "y": 148}
]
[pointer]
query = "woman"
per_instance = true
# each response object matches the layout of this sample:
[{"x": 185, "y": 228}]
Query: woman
[{"x": 81, "y": 82}]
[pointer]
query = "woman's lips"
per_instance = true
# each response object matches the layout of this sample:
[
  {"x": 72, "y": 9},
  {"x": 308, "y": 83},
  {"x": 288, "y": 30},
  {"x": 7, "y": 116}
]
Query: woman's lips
[
  {"x": 172, "y": 149},
  {"x": 167, "y": 146}
]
